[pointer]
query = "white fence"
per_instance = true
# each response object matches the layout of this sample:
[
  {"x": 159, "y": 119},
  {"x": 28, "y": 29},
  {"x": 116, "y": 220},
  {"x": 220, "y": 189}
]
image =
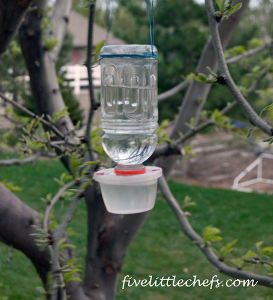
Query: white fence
[
  {"x": 258, "y": 164},
  {"x": 77, "y": 77}
]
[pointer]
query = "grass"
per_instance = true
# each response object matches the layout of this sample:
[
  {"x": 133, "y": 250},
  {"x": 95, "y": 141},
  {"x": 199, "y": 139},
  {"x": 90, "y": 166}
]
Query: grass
[{"x": 159, "y": 249}]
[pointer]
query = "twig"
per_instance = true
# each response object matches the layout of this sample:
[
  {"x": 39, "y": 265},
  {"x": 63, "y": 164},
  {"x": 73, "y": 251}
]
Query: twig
[
  {"x": 225, "y": 74},
  {"x": 249, "y": 53},
  {"x": 174, "y": 147},
  {"x": 54, "y": 201},
  {"x": 257, "y": 260},
  {"x": 57, "y": 275},
  {"x": 173, "y": 91},
  {"x": 33, "y": 115},
  {"x": 68, "y": 216},
  {"x": 198, "y": 241},
  {"x": 58, "y": 234},
  {"x": 19, "y": 162},
  {"x": 93, "y": 105},
  {"x": 53, "y": 250}
]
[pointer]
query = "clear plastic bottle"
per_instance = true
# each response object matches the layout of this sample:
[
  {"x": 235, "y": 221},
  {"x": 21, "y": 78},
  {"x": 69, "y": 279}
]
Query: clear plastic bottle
[{"x": 129, "y": 102}]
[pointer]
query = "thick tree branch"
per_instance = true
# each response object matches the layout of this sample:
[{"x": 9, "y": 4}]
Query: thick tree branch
[
  {"x": 109, "y": 236},
  {"x": 60, "y": 19},
  {"x": 199, "y": 242},
  {"x": 253, "y": 117},
  {"x": 41, "y": 67},
  {"x": 16, "y": 229},
  {"x": 11, "y": 15}
]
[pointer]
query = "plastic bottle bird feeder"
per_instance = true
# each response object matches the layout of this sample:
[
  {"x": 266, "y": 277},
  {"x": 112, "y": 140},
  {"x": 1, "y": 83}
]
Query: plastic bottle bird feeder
[{"x": 129, "y": 120}]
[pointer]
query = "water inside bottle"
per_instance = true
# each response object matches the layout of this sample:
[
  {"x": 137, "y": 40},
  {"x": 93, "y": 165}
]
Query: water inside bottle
[{"x": 129, "y": 149}]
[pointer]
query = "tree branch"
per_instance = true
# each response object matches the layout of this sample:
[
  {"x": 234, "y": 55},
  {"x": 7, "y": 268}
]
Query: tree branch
[
  {"x": 93, "y": 104},
  {"x": 224, "y": 72},
  {"x": 249, "y": 53},
  {"x": 173, "y": 91},
  {"x": 109, "y": 236},
  {"x": 16, "y": 229},
  {"x": 41, "y": 67},
  {"x": 53, "y": 202},
  {"x": 28, "y": 112},
  {"x": 19, "y": 162},
  {"x": 60, "y": 19},
  {"x": 199, "y": 242},
  {"x": 174, "y": 148}
]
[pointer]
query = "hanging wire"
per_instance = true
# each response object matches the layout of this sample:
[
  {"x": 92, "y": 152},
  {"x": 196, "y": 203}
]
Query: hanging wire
[
  {"x": 151, "y": 17},
  {"x": 108, "y": 17}
]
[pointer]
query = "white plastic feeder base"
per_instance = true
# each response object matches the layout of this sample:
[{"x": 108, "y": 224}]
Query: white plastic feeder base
[{"x": 128, "y": 194}]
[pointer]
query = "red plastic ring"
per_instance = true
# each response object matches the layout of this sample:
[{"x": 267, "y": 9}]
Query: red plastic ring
[{"x": 122, "y": 172}]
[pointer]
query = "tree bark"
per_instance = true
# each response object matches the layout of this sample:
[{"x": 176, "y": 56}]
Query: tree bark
[
  {"x": 109, "y": 237},
  {"x": 11, "y": 15},
  {"x": 17, "y": 222},
  {"x": 16, "y": 226},
  {"x": 41, "y": 66}
]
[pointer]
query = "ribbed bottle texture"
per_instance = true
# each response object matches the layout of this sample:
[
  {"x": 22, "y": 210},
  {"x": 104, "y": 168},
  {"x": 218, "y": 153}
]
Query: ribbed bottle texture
[{"x": 129, "y": 103}]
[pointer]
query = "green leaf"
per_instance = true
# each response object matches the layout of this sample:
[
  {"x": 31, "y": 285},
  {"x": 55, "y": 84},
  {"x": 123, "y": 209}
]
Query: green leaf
[
  {"x": 188, "y": 151},
  {"x": 11, "y": 186},
  {"x": 98, "y": 47},
  {"x": 238, "y": 262},
  {"x": 228, "y": 248},
  {"x": 162, "y": 134},
  {"x": 63, "y": 245},
  {"x": 188, "y": 202},
  {"x": 50, "y": 43},
  {"x": 255, "y": 42},
  {"x": 201, "y": 77},
  {"x": 74, "y": 164},
  {"x": 58, "y": 115},
  {"x": 96, "y": 135},
  {"x": 47, "y": 199},
  {"x": 232, "y": 9},
  {"x": 211, "y": 234},
  {"x": 250, "y": 254},
  {"x": 221, "y": 5},
  {"x": 267, "y": 251},
  {"x": 220, "y": 120},
  {"x": 237, "y": 50},
  {"x": 259, "y": 244}
]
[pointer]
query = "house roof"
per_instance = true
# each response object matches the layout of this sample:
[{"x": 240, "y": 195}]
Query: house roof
[{"x": 78, "y": 28}]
